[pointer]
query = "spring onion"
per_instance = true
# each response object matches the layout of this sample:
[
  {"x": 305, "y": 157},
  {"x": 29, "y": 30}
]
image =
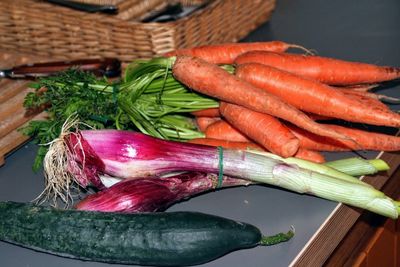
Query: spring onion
[
  {"x": 86, "y": 155},
  {"x": 155, "y": 194},
  {"x": 358, "y": 166}
]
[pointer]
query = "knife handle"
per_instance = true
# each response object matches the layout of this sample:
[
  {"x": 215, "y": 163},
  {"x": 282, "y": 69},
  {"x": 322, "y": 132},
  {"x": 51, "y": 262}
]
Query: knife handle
[{"x": 109, "y": 67}]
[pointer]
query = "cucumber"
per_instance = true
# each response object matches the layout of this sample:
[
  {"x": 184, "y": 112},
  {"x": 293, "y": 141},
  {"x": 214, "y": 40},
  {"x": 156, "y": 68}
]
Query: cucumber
[{"x": 162, "y": 239}]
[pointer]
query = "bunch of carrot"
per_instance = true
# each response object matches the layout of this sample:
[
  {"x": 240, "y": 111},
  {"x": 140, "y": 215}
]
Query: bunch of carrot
[{"x": 276, "y": 100}]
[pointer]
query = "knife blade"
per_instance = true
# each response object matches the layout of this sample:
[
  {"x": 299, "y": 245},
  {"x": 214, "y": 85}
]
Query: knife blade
[{"x": 109, "y": 67}]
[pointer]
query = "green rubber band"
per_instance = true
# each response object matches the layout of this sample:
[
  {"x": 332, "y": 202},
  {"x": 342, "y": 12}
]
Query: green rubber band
[{"x": 220, "y": 166}]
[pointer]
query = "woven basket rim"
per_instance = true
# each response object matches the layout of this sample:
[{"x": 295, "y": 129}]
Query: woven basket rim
[{"x": 40, "y": 28}]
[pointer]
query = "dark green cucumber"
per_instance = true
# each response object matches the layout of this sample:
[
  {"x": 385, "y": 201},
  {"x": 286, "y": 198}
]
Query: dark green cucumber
[{"x": 162, "y": 239}]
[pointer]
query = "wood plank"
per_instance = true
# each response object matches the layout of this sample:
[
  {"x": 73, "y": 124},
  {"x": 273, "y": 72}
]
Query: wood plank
[
  {"x": 10, "y": 88},
  {"x": 13, "y": 122},
  {"x": 381, "y": 251},
  {"x": 12, "y": 113},
  {"x": 14, "y": 105},
  {"x": 15, "y": 139}
]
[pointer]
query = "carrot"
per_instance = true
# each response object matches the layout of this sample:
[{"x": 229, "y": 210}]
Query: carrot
[
  {"x": 360, "y": 87},
  {"x": 370, "y": 140},
  {"x": 212, "y": 80},
  {"x": 365, "y": 140},
  {"x": 208, "y": 112},
  {"x": 377, "y": 97},
  {"x": 226, "y": 53},
  {"x": 313, "y": 96},
  {"x": 317, "y": 117},
  {"x": 314, "y": 142},
  {"x": 204, "y": 122},
  {"x": 310, "y": 155},
  {"x": 264, "y": 129},
  {"x": 367, "y": 98},
  {"x": 225, "y": 131},
  {"x": 326, "y": 70},
  {"x": 226, "y": 144}
]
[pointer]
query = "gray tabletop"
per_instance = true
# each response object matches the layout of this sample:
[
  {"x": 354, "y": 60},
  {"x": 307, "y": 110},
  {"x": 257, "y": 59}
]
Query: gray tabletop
[{"x": 366, "y": 31}]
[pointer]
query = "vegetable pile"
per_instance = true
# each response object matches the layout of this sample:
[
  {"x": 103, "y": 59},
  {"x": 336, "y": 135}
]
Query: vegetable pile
[
  {"x": 202, "y": 119},
  {"x": 288, "y": 104}
]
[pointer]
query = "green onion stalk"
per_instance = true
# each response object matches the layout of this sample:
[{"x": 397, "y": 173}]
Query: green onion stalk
[
  {"x": 358, "y": 166},
  {"x": 88, "y": 155},
  {"x": 153, "y": 194},
  {"x": 343, "y": 169}
]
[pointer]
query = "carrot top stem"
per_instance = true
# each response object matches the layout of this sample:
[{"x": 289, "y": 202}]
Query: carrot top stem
[
  {"x": 152, "y": 99},
  {"x": 139, "y": 68}
]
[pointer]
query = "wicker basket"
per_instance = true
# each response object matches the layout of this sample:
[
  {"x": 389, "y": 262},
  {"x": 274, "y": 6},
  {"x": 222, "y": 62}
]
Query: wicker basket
[{"x": 43, "y": 29}]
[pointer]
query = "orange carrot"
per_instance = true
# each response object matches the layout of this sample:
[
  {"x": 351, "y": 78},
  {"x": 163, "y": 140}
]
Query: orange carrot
[
  {"x": 204, "y": 122},
  {"x": 226, "y": 144},
  {"x": 225, "y": 131},
  {"x": 212, "y": 80},
  {"x": 326, "y": 70},
  {"x": 365, "y": 140},
  {"x": 226, "y": 53},
  {"x": 310, "y": 155},
  {"x": 377, "y": 97},
  {"x": 208, "y": 112},
  {"x": 317, "y": 143},
  {"x": 369, "y": 99},
  {"x": 264, "y": 129},
  {"x": 360, "y": 87},
  {"x": 369, "y": 140},
  {"x": 313, "y": 96},
  {"x": 317, "y": 117}
]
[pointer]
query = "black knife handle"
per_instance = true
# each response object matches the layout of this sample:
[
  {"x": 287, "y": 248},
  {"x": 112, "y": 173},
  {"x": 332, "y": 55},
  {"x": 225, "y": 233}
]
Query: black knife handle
[{"x": 109, "y": 67}]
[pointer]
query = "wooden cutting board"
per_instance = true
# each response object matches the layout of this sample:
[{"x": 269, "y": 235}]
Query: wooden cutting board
[{"x": 12, "y": 113}]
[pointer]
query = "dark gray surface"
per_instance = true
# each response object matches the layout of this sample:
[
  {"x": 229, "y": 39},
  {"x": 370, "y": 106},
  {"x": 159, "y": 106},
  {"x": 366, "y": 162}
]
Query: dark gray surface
[{"x": 365, "y": 31}]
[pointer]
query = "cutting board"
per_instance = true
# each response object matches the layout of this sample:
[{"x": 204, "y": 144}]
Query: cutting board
[{"x": 13, "y": 115}]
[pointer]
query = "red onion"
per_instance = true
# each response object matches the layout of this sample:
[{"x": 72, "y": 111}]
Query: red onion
[{"x": 153, "y": 194}]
